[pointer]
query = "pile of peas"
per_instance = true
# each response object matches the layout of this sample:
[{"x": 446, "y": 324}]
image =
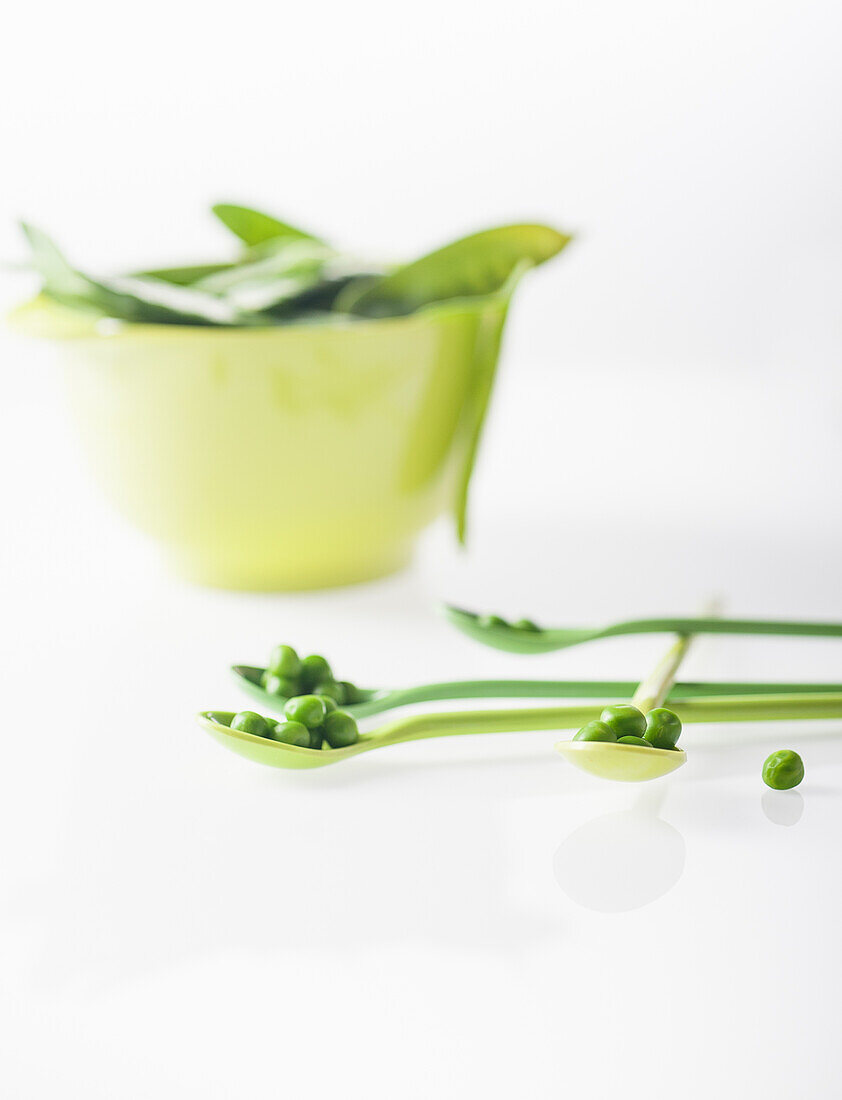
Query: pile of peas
[
  {"x": 289, "y": 676},
  {"x": 311, "y": 721},
  {"x": 624, "y": 724},
  {"x": 313, "y": 698},
  {"x": 521, "y": 624}
]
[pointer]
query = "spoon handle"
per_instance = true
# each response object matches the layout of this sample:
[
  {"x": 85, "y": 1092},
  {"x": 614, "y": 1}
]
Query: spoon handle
[
  {"x": 760, "y": 708},
  {"x": 574, "y": 689},
  {"x": 723, "y": 626},
  {"x": 652, "y": 691}
]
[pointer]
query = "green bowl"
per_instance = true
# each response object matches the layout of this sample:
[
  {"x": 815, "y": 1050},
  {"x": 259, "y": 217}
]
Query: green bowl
[{"x": 291, "y": 457}]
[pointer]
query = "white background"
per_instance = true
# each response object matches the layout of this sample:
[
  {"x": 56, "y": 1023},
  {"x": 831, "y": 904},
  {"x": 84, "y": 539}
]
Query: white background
[{"x": 455, "y": 918}]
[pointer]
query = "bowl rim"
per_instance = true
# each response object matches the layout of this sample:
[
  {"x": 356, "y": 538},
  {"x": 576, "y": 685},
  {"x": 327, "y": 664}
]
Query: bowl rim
[{"x": 36, "y": 316}]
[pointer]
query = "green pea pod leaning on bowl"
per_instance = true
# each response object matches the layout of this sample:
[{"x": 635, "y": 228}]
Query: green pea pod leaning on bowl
[{"x": 290, "y": 417}]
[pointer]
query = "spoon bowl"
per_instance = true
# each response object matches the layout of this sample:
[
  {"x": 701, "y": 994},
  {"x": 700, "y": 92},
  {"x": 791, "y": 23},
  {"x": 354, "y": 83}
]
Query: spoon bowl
[
  {"x": 624, "y": 763},
  {"x": 274, "y": 753}
]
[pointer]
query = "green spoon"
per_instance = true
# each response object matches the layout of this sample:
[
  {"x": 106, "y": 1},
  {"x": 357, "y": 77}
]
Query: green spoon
[
  {"x": 758, "y": 708},
  {"x": 501, "y": 635},
  {"x": 378, "y": 700},
  {"x": 635, "y": 763}
]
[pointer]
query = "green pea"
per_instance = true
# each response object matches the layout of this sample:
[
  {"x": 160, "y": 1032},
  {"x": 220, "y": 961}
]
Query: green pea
[
  {"x": 280, "y": 685},
  {"x": 596, "y": 731},
  {"x": 491, "y": 620},
  {"x": 527, "y": 624},
  {"x": 663, "y": 728},
  {"x": 340, "y": 729},
  {"x": 247, "y": 721},
  {"x": 350, "y": 692},
  {"x": 330, "y": 689},
  {"x": 316, "y": 737},
  {"x": 330, "y": 704},
  {"x": 783, "y": 769},
  {"x": 630, "y": 739},
  {"x": 291, "y": 733},
  {"x": 284, "y": 662},
  {"x": 307, "y": 709},
  {"x": 625, "y": 720},
  {"x": 314, "y": 670}
]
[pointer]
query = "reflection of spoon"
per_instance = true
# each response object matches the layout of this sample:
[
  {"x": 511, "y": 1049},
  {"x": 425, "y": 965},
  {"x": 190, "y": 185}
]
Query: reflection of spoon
[
  {"x": 620, "y": 861},
  {"x": 377, "y": 700},
  {"x": 782, "y": 807},
  {"x": 502, "y": 635},
  {"x": 529, "y": 719}
]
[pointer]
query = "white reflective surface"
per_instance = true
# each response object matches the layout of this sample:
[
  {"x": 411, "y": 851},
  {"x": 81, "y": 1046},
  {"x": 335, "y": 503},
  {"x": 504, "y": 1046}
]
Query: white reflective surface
[
  {"x": 469, "y": 917},
  {"x": 783, "y": 807},
  {"x": 621, "y": 861}
]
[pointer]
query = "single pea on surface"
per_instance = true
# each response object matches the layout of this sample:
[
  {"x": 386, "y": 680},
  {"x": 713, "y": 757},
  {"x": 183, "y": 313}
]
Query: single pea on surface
[
  {"x": 783, "y": 770},
  {"x": 663, "y": 728},
  {"x": 630, "y": 739},
  {"x": 596, "y": 731},
  {"x": 625, "y": 720}
]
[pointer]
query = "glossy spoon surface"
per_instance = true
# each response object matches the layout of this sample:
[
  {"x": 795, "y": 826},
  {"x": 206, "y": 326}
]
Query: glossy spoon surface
[{"x": 622, "y": 763}]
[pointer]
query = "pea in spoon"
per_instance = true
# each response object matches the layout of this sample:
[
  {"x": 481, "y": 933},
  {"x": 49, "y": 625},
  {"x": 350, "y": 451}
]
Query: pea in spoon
[
  {"x": 527, "y": 638},
  {"x": 745, "y": 708},
  {"x": 377, "y": 700},
  {"x": 635, "y": 763}
]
